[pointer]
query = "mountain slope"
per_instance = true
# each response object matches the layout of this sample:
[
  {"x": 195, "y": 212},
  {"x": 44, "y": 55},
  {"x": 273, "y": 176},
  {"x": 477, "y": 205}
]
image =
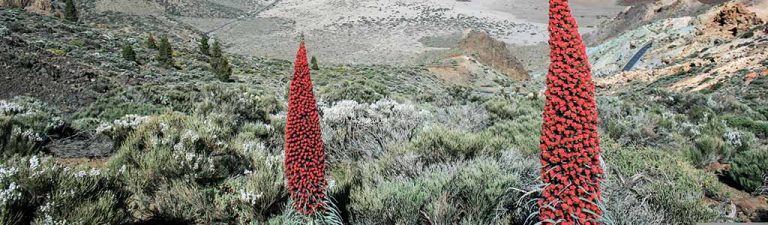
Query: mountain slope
[{"x": 109, "y": 141}]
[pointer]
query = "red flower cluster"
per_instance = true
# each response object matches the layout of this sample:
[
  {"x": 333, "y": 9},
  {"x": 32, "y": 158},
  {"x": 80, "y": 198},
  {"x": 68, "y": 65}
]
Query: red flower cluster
[
  {"x": 570, "y": 148},
  {"x": 304, "y": 148}
]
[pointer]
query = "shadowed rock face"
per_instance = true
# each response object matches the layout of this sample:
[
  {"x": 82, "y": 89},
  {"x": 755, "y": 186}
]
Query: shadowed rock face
[
  {"x": 45, "y": 7},
  {"x": 493, "y": 53}
]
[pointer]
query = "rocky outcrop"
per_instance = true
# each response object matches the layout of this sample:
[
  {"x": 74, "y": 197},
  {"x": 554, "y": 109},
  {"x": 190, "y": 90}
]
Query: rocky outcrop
[
  {"x": 493, "y": 53},
  {"x": 642, "y": 13},
  {"x": 735, "y": 19},
  {"x": 45, "y": 7},
  {"x": 703, "y": 52}
]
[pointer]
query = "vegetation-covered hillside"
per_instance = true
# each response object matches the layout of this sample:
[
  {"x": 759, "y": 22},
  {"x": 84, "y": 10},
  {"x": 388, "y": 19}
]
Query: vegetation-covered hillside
[{"x": 89, "y": 137}]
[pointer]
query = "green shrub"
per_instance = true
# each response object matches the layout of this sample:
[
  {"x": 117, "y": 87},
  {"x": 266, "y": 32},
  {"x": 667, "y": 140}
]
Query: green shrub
[
  {"x": 180, "y": 202},
  {"x": 219, "y": 63},
  {"x": 102, "y": 208},
  {"x": 314, "y": 63},
  {"x": 70, "y": 12},
  {"x": 622, "y": 121},
  {"x": 748, "y": 168},
  {"x": 24, "y": 183},
  {"x": 673, "y": 187},
  {"x": 120, "y": 129},
  {"x": 151, "y": 43},
  {"x": 57, "y": 51},
  {"x": 707, "y": 150},
  {"x": 204, "y": 46},
  {"x": 114, "y": 108},
  {"x": 358, "y": 89},
  {"x": 256, "y": 193},
  {"x": 46, "y": 193},
  {"x": 84, "y": 196},
  {"x": 759, "y": 128},
  {"x": 242, "y": 102},
  {"x": 437, "y": 144},
  {"x": 480, "y": 191},
  {"x": 522, "y": 133},
  {"x": 15, "y": 139},
  {"x": 701, "y": 113},
  {"x": 396, "y": 201},
  {"x": 511, "y": 109},
  {"x": 177, "y": 153},
  {"x": 25, "y": 124},
  {"x": 128, "y": 53},
  {"x": 622, "y": 206},
  {"x": 253, "y": 198},
  {"x": 78, "y": 42},
  {"x": 165, "y": 52}
]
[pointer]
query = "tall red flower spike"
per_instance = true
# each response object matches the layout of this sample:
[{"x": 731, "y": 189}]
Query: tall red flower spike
[
  {"x": 570, "y": 148},
  {"x": 304, "y": 148}
]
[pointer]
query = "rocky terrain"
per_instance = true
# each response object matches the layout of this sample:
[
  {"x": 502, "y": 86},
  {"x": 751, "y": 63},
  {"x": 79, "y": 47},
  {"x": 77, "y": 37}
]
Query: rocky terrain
[
  {"x": 35, "y": 6},
  {"x": 690, "y": 53},
  {"x": 493, "y": 53},
  {"x": 424, "y": 121},
  {"x": 360, "y": 32}
]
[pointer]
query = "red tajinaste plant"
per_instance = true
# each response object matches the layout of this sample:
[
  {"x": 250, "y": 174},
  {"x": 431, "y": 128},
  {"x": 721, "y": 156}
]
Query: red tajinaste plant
[
  {"x": 570, "y": 145},
  {"x": 304, "y": 148}
]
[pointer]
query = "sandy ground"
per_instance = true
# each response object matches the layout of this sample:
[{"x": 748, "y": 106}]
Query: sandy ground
[{"x": 388, "y": 31}]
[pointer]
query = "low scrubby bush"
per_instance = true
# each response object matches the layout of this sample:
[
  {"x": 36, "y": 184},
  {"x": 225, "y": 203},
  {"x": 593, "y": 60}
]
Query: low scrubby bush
[
  {"x": 438, "y": 144},
  {"x": 36, "y": 190},
  {"x": 479, "y": 191},
  {"x": 362, "y": 131},
  {"x": 360, "y": 89},
  {"x": 171, "y": 150},
  {"x": 521, "y": 133},
  {"x": 84, "y": 196},
  {"x": 673, "y": 187},
  {"x": 25, "y": 125},
  {"x": 759, "y": 128},
  {"x": 748, "y": 168},
  {"x": 255, "y": 196},
  {"x": 246, "y": 104},
  {"x": 115, "y": 108},
  {"x": 624, "y": 206},
  {"x": 504, "y": 109},
  {"x": 706, "y": 151}
]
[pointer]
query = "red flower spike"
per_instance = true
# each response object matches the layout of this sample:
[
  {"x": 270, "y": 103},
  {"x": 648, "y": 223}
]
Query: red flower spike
[
  {"x": 569, "y": 140},
  {"x": 304, "y": 147}
]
